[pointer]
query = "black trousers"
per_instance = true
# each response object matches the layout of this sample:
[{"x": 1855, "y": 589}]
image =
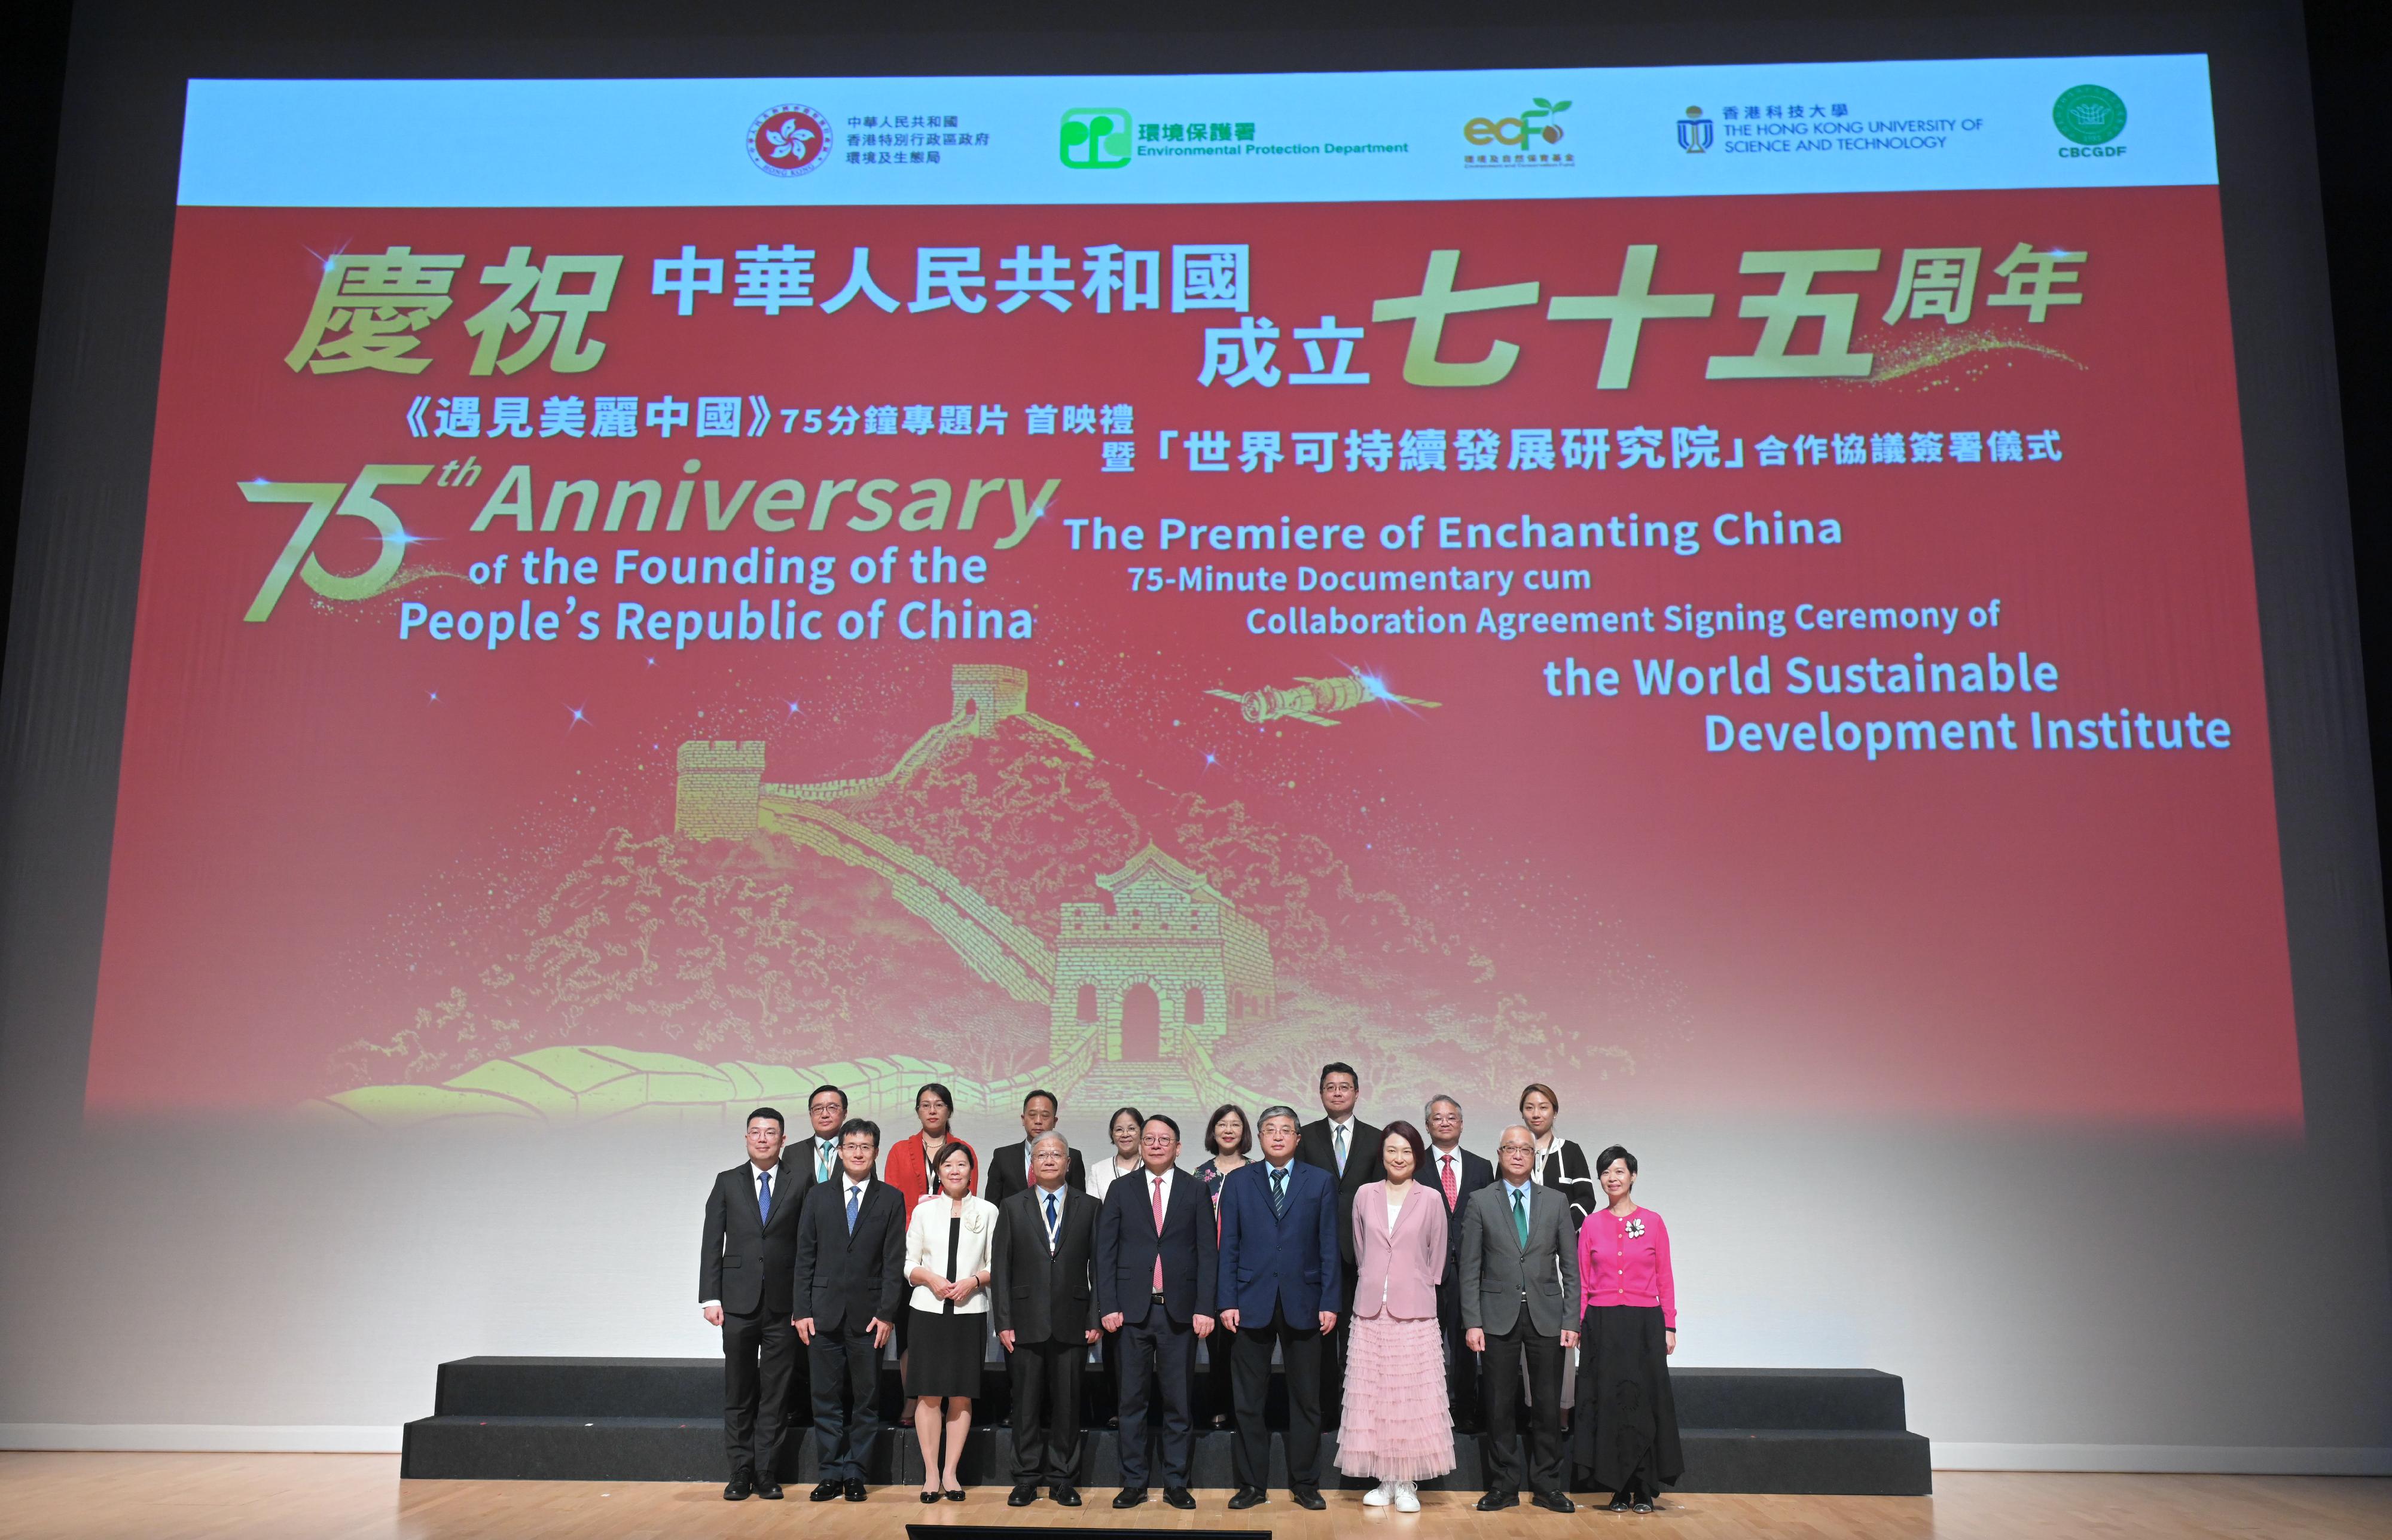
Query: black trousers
[
  {"x": 760, "y": 1358},
  {"x": 1461, "y": 1363},
  {"x": 1300, "y": 1345},
  {"x": 1046, "y": 1412},
  {"x": 1332, "y": 1351},
  {"x": 1499, "y": 1390},
  {"x": 846, "y": 1369},
  {"x": 1158, "y": 1363}
]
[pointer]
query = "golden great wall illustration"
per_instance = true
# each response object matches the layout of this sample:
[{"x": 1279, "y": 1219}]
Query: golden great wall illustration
[{"x": 1138, "y": 986}]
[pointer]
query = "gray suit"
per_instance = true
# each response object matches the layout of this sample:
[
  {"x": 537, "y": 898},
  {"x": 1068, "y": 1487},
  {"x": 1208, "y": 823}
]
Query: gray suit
[{"x": 1523, "y": 1298}]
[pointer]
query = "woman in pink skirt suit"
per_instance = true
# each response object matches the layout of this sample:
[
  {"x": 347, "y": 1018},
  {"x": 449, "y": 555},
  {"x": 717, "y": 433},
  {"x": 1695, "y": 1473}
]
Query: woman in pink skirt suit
[{"x": 1397, "y": 1426}]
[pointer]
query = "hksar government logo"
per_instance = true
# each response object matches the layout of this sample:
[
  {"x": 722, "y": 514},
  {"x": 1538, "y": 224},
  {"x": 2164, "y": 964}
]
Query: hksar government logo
[
  {"x": 2089, "y": 114},
  {"x": 789, "y": 140}
]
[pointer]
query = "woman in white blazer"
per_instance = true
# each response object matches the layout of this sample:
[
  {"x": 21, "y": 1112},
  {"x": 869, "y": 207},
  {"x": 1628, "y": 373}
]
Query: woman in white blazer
[{"x": 948, "y": 1244}]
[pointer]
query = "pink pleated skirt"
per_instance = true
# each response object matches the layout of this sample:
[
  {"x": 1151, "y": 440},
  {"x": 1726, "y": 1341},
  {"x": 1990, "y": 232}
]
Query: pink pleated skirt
[{"x": 1397, "y": 1424}]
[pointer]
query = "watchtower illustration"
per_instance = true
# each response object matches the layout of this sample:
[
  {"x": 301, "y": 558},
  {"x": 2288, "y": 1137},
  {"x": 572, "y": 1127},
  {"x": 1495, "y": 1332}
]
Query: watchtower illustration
[{"x": 1167, "y": 967}]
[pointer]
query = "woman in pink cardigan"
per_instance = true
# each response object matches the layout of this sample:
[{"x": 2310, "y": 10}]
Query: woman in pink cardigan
[
  {"x": 1397, "y": 1426},
  {"x": 1626, "y": 1424}
]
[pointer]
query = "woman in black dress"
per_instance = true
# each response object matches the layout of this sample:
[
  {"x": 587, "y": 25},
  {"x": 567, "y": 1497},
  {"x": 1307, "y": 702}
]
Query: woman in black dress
[{"x": 948, "y": 1246}]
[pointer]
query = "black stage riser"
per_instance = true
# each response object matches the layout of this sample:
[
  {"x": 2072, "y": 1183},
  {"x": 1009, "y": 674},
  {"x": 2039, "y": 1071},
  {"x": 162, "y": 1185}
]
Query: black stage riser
[
  {"x": 1813, "y": 1400},
  {"x": 664, "y": 1449}
]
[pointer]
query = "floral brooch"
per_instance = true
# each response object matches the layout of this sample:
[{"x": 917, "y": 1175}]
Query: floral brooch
[{"x": 1633, "y": 1229}]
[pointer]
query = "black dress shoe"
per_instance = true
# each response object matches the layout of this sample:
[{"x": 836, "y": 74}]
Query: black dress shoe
[
  {"x": 856, "y": 1492},
  {"x": 952, "y": 1495},
  {"x": 930, "y": 1497},
  {"x": 1248, "y": 1496},
  {"x": 1067, "y": 1495},
  {"x": 1129, "y": 1497},
  {"x": 1557, "y": 1502},
  {"x": 738, "y": 1488},
  {"x": 1643, "y": 1505},
  {"x": 1309, "y": 1497},
  {"x": 1021, "y": 1496},
  {"x": 1178, "y": 1496},
  {"x": 825, "y": 1491},
  {"x": 1618, "y": 1503},
  {"x": 769, "y": 1491},
  {"x": 1496, "y": 1499}
]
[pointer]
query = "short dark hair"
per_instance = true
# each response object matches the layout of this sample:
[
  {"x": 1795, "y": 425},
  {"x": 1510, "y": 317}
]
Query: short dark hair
[
  {"x": 1246, "y": 1130},
  {"x": 1410, "y": 1136},
  {"x": 773, "y": 1112},
  {"x": 1158, "y": 1118},
  {"x": 971, "y": 1161},
  {"x": 1132, "y": 1113},
  {"x": 934, "y": 1089},
  {"x": 1339, "y": 1067},
  {"x": 865, "y": 1126},
  {"x": 835, "y": 1091},
  {"x": 1616, "y": 1152},
  {"x": 1052, "y": 1100}
]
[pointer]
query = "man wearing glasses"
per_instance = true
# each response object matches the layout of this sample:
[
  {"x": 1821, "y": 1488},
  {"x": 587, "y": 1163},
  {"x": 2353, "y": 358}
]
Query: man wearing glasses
[
  {"x": 1519, "y": 1298},
  {"x": 849, "y": 1277}
]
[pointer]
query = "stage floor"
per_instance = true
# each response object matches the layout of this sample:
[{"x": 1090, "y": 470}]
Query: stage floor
[{"x": 56, "y": 1497}]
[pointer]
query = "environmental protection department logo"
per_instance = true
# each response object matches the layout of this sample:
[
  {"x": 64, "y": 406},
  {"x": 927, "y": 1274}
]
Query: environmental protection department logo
[
  {"x": 1095, "y": 139},
  {"x": 2089, "y": 114},
  {"x": 789, "y": 140}
]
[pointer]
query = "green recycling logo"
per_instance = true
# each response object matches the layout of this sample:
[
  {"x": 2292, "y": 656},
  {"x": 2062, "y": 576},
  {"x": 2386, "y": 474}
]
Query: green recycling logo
[{"x": 2089, "y": 114}]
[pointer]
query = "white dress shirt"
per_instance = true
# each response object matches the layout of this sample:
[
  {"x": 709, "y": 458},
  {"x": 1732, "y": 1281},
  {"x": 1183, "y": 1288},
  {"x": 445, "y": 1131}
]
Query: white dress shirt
[{"x": 755, "y": 1174}]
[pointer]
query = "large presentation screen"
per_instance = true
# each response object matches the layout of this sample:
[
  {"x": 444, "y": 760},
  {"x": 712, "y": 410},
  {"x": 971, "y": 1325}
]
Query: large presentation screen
[{"x": 1721, "y": 589}]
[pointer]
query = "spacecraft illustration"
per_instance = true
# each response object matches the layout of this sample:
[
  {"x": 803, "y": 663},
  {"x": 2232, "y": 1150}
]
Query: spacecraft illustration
[{"x": 1317, "y": 700}]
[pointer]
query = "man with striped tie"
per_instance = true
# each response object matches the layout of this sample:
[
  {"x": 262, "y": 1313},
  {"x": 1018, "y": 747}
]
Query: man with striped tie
[
  {"x": 1279, "y": 1289},
  {"x": 1349, "y": 1150},
  {"x": 1041, "y": 1284}
]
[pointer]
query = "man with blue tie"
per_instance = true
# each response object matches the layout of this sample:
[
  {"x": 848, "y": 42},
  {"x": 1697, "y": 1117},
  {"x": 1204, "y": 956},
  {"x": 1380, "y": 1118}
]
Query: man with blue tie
[
  {"x": 1352, "y": 1152},
  {"x": 1280, "y": 1269},
  {"x": 1042, "y": 1285},
  {"x": 1156, "y": 1251},
  {"x": 742, "y": 1285},
  {"x": 849, "y": 1279}
]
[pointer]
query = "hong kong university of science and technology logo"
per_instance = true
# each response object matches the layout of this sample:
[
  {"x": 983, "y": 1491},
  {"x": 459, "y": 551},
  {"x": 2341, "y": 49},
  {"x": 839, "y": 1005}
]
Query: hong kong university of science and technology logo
[
  {"x": 1695, "y": 132},
  {"x": 789, "y": 140}
]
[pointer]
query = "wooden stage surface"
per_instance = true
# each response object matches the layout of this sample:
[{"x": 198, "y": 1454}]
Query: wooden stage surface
[{"x": 70, "y": 1496}]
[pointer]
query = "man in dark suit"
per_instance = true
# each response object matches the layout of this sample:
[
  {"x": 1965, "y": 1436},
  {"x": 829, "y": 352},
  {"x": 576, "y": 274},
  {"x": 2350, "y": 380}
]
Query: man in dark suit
[
  {"x": 1042, "y": 1285},
  {"x": 1010, "y": 1168},
  {"x": 743, "y": 1284},
  {"x": 1155, "y": 1266},
  {"x": 1455, "y": 1173},
  {"x": 849, "y": 1279},
  {"x": 1279, "y": 1289},
  {"x": 1519, "y": 1300},
  {"x": 815, "y": 1157},
  {"x": 1348, "y": 1149}
]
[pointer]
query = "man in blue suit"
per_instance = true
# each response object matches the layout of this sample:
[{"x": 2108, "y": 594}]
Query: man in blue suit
[
  {"x": 1155, "y": 1261},
  {"x": 1278, "y": 1287}
]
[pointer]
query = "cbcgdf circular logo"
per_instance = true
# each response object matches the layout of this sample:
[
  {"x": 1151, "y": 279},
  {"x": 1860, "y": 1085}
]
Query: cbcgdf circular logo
[
  {"x": 789, "y": 140},
  {"x": 2089, "y": 114}
]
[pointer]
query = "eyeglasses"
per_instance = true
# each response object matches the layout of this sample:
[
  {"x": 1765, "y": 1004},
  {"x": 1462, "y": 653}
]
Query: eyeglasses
[{"x": 1507, "y": 1149}]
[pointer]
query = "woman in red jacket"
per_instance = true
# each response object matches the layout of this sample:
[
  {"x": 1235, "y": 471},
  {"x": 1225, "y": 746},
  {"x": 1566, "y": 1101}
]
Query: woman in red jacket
[{"x": 1626, "y": 1424}]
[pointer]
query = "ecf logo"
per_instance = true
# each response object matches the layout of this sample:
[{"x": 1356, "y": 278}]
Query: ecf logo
[{"x": 1531, "y": 123}]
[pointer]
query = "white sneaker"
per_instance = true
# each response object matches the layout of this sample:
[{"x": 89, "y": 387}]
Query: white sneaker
[
  {"x": 1406, "y": 1497},
  {"x": 1380, "y": 1495}
]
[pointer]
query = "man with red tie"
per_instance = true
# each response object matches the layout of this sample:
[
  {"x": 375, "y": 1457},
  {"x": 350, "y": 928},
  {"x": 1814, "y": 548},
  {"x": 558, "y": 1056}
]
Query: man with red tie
[
  {"x": 1156, "y": 1258},
  {"x": 1457, "y": 1173}
]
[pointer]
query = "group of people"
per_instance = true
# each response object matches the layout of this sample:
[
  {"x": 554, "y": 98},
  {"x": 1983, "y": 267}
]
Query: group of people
[{"x": 1413, "y": 1290}]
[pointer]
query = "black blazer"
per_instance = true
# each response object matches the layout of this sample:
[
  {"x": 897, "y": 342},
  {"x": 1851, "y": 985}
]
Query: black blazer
[
  {"x": 1365, "y": 1161},
  {"x": 1475, "y": 1172},
  {"x": 1127, "y": 1245},
  {"x": 1008, "y": 1176},
  {"x": 1038, "y": 1296},
  {"x": 744, "y": 1262},
  {"x": 1568, "y": 1173},
  {"x": 845, "y": 1280}
]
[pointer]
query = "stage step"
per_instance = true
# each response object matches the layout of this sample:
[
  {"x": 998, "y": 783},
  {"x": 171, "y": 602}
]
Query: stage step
[{"x": 1817, "y": 1432}]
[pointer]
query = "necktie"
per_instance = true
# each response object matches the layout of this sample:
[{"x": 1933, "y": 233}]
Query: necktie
[
  {"x": 1340, "y": 1149},
  {"x": 1158, "y": 1235},
  {"x": 1452, "y": 1186},
  {"x": 822, "y": 1159},
  {"x": 1050, "y": 1225},
  {"x": 1520, "y": 1216},
  {"x": 764, "y": 1197},
  {"x": 855, "y": 1196},
  {"x": 1279, "y": 1194}
]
